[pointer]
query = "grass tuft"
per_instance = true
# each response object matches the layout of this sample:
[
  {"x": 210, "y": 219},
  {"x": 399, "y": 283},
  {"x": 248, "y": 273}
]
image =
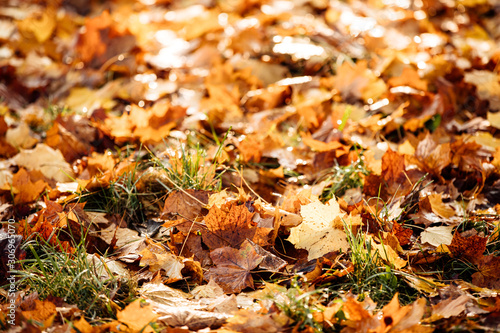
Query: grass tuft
[
  {"x": 121, "y": 197},
  {"x": 74, "y": 278},
  {"x": 341, "y": 178},
  {"x": 300, "y": 307},
  {"x": 370, "y": 276},
  {"x": 190, "y": 169}
]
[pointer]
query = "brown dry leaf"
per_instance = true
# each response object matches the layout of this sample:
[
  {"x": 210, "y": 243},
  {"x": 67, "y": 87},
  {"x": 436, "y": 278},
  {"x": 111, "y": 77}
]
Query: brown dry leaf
[
  {"x": 295, "y": 199},
  {"x": 102, "y": 40},
  {"x": 251, "y": 148},
  {"x": 248, "y": 321},
  {"x": 160, "y": 293},
  {"x": 83, "y": 326},
  {"x": 394, "y": 174},
  {"x": 98, "y": 164},
  {"x": 232, "y": 271},
  {"x": 223, "y": 103},
  {"x": 488, "y": 274},
  {"x": 209, "y": 290},
  {"x": 407, "y": 318},
  {"x": 162, "y": 117},
  {"x": 177, "y": 308},
  {"x": 359, "y": 319},
  {"x": 410, "y": 78},
  {"x": 186, "y": 204},
  {"x": 403, "y": 234},
  {"x": 44, "y": 313},
  {"x": 496, "y": 158},
  {"x": 468, "y": 156},
  {"x": 225, "y": 85},
  {"x": 321, "y": 146},
  {"x": 70, "y": 146},
  {"x": 270, "y": 262},
  {"x": 433, "y": 156},
  {"x": 157, "y": 257},
  {"x": 146, "y": 125},
  {"x": 137, "y": 316},
  {"x": 231, "y": 224},
  {"x": 266, "y": 99},
  {"x": 488, "y": 86},
  {"x": 26, "y": 190},
  {"x": 468, "y": 247},
  {"x": 192, "y": 246},
  {"x": 273, "y": 173},
  {"x": 450, "y": 307},
  {"x": 83, "y": 99},
  {"x": 494, "y": 119},
  {"x": 20, "y": 137},
  {"x": 356, "y": 80}
]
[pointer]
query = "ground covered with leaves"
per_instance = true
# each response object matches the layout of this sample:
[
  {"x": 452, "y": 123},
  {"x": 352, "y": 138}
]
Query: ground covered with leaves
[{"x": 250, "y": 166}]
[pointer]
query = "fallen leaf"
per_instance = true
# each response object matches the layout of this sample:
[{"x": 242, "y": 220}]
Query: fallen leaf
[
  {"x": 356, "y": 80},
  {"x": 440, "y": 208},
  {"x": 40, "y": 25},
  {"x": 437, "y": 236},
  {"x": 176, "y": 308},
  {"x": 209, "y": 290},
  {"x": 20, "y": 137},
  {"x": 322, "y": 230},
  {"x": 44, "y": 313},
  {"x": 137, "y": 316},
  {"x": 402, "y": 234},
  {"x": 64, "y": 141},
  {"x": 450, "y": 307},
  {"x": 251, "y": 149},
  {"x": 358, "y": 318},
  {"x": 249, "y": 321},
  {"x": 320, "y": 146},
  {"x": 187, "y": 203},
  {"x": 269, "y": 261},
  {"x": 396, "y": 318},
  {"x": 469, "y": 247},
  {"x": 434, "y": 157},
  {"x": 488, "y": 274},
  {"x": 156, "y": 257},
  {"x": 146, "y": 125},
  {"x": 230, "y": 225},
  {"x": 488, "y": 86},
  {"x": 102, "y": 40},
  {"x": 394, "y": 173},
  {"x": 409, "y": 77},
  {"x": 83, "y": 326},
  {"x": 232, "y": 271},
  {"x": 48, "y": 161},
  {"x": 160, "y": 293},
  {"x": 27, "y": 191},
  {"x": 388, "y": 254}
]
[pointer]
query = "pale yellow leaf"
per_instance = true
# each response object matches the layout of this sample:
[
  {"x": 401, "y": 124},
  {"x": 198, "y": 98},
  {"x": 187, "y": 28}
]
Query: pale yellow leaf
[
  {"x": 388, "y": 254},
  {"x": 49, "y": 162},
  {"x": 436, "y": 236},
  {"x": 321, "y": 230}
]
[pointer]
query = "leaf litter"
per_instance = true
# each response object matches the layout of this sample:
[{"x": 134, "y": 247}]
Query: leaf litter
[{"x": 251, "y": 166}]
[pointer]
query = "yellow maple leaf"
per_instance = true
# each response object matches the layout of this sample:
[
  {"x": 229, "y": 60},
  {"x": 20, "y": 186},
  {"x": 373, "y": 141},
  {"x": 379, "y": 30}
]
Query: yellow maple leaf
[{"x": 322, "y": 229}]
